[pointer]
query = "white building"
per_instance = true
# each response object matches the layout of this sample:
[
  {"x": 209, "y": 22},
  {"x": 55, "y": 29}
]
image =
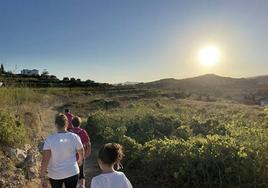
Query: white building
[{"x": 30, "y": 72}]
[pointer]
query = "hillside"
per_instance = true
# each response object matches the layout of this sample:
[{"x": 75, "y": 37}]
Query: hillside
[
  {"x": 39, "y": 81},
  {"x": 213, "y": 84},
  {"x": 214, "y": 141}
]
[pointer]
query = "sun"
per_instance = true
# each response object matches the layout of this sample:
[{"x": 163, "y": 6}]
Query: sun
[{"x": 209, "y": 56}]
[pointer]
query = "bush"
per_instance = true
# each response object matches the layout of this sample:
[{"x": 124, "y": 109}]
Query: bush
[
  {"x": 12, "y": 132},
  {"x": 189, "y": 147},
  {"x": 142, "y": 127},
  {"x": 214, "y": 161},
  {"x": 102, "y": 104},
  {"x": 132, "y": 151},
  {"x": 146, "y": 127},
  {"x": 105, "y": 127},
  {"x": 208, "y": 127}
]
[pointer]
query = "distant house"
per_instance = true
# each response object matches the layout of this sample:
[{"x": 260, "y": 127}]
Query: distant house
[{"x": 28, "y": 72}]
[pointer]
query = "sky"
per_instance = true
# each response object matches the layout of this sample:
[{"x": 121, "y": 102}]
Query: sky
[{"x": 133, "y": 40}]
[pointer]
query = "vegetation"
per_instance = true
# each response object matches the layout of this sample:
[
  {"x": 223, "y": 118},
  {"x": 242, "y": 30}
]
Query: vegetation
[
  {"x": 13, "y": 132},
  {"x": 19, "y": 121},
  {"x": 43, "y": 80},
  {"x": 188, "y": 144},
  {"x": 169, "y": 141},
  {"x": 18, "y": 96}
]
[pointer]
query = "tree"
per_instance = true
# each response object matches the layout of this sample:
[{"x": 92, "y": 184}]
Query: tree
[
  {"x": 65, "y": 79},
  {"x": 72, "y": 79},
  {"x": 45, "y": 73},
  {"x": 2, "y": 70},
  {"x": 89, "y": 81},
  {"x": 53, "y": 77}
]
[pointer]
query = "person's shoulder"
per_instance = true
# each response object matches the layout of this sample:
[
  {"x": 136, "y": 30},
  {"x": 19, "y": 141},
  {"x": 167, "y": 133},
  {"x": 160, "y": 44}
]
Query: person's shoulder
[
  {"x": 98, "y": 178},
  {"x": 104, "y": 175},
  {"x": 124, "y": 178},
  {"x": 69, "y": 115},
  {"x": 51, "y": 136},
  {"x": 96, "y": 181},
  {"x": 72, "y": 134},
  {"x": 115, "y": 174},
  {"x": 84, "y": 131},
  {"x": 119, "y": 173}
]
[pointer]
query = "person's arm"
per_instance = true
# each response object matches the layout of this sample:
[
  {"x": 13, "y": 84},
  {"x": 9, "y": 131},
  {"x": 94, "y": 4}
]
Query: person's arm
[
  {"x": 87, "y": 145},
  {"x": 79, "y": 150},
  {"x": 81, "y": 155},
  {"x": 44, "y": 164},
  {"x": 87, "y": 148}
]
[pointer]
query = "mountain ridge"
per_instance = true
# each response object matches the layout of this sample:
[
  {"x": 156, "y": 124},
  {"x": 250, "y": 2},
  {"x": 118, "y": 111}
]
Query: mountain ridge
[{"x": 212, "y": 84}]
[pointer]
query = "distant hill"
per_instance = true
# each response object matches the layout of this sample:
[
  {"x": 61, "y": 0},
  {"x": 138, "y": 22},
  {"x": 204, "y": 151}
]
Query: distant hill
[
  {"x": 261, "y": 80},
  {"x": 212, "y": 84},
  {"x": 127, "y": 83}
]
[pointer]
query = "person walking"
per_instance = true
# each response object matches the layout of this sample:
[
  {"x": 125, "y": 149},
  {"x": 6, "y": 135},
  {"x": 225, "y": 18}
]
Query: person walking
[
  {"x": 70, "y": 117},
  {"x": 109, "y": 157},
  {"x": 59, "y": 157},
  {"x": 86, "y": 144}
]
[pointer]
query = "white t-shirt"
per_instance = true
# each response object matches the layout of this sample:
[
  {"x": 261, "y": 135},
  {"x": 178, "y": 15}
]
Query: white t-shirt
[
  {"x": 111, "y": 180},
  {"x": 62, "y": 163}
]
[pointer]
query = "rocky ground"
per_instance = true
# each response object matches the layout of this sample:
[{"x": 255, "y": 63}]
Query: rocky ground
[{"x": 19, "y": 167}]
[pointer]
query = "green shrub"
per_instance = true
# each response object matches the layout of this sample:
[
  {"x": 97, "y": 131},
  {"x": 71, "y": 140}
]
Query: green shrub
[
  {"x": 215, "y": 161},
  {"x": 132, "y": 151},
  {"x": 183, "y": 132},
  {"x": 12, "y": 132},
  {"x": 140, "y": 126},
  {"x": 146, "y": 127},
  {"x": 166, "y": 147},
  {"x": 210, "y": 126},
  {"x": 105, "y": 127}
]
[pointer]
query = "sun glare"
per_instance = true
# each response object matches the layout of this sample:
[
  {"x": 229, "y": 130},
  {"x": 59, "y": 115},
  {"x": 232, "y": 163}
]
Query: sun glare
[{"x": 209, "y": 56}]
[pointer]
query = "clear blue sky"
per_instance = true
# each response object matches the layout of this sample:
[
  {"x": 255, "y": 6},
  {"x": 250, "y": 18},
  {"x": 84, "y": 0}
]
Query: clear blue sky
[{"x": 133, "y": 40}]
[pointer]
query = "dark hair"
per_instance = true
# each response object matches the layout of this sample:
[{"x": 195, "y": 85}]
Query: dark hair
[
  {"x": 111, "y": 153},
  {"x": 67, "y": 110},
  {"x": 61, "y": 120},
  {"x": 76, "y": 121}
]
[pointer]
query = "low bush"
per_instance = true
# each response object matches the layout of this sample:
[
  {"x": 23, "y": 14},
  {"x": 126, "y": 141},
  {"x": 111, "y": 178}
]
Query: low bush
[
  {"x": 12, "y": 132},
  {"x": 104, "y": 127},
  {"x": 214, "y": 161},
  {"x": 146, "y": 127},
  {"x": 189, "y": 147}
]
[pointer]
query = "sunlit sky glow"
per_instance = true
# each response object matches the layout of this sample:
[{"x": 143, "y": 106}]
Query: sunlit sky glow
[
  {"x": 209, "y": 56},
  {"x": 117, "y": 41}
]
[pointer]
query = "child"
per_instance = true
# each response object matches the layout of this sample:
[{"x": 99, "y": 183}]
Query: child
[
  {"x": 70, "y": 117},
  {"x": 76, "y": 122},
  {"x": 110, "y": 155}
]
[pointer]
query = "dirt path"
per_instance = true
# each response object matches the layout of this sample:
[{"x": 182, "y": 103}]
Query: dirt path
[
  {"x": 47, "y": 116},
  {"x": 91, "y": 167}
]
